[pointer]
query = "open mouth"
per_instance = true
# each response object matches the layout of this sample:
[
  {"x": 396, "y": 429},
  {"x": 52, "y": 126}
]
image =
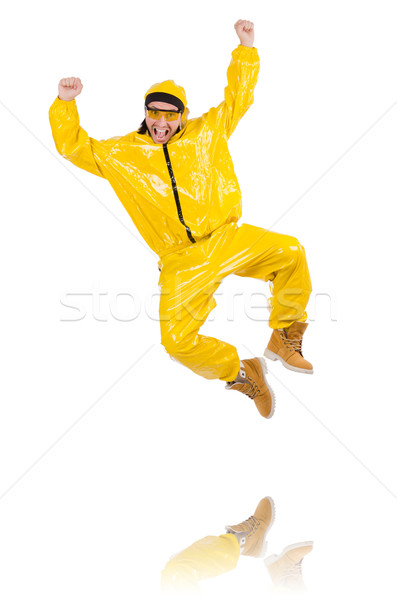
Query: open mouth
[{"x": 160, "y": 133}]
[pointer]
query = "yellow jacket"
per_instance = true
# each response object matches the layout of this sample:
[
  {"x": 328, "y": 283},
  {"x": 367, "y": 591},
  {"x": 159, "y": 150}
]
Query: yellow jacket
[{"x": 175, "y": 193}]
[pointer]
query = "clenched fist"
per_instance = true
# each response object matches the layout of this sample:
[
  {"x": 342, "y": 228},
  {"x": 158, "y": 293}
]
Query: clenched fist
[
  {"x": 245, "y": 32},
  {"x": 69, "y": 88}
]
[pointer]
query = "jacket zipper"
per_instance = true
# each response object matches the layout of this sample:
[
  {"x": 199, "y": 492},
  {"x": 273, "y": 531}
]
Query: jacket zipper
[{"x": 176, "y": 195}]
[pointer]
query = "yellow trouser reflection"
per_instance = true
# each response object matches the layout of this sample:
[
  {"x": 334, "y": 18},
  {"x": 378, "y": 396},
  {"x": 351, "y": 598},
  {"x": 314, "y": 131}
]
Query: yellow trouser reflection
[
  {"x": 206, "y": 558},
  {"x": 190, "y": 277}
]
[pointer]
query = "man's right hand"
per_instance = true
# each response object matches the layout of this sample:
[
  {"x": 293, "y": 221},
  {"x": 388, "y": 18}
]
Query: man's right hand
[{"x": 69, "y": 88}]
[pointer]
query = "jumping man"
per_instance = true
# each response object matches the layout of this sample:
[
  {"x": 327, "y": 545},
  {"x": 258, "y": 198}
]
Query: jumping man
[{"x": 175, "y": 178}]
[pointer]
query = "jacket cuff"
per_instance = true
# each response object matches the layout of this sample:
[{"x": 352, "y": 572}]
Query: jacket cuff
[
  {"x": 246, "y": 53},
  {"x": 65, "y": 106}
]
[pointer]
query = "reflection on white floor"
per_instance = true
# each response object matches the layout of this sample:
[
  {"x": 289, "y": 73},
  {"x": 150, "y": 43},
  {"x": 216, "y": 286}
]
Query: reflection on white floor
[
  {"x": 285, "y": 569},
  {"x": 214, "y": 556}
]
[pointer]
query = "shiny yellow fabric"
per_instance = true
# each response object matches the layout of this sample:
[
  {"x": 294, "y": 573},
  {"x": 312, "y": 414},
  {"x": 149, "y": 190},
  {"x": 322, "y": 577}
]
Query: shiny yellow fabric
[
  {"x": 190, "y": 277},
  {"x": 209, "y": 557},
  {"x": 199, "y": 242},
  {"x": 136, "y": 168}
]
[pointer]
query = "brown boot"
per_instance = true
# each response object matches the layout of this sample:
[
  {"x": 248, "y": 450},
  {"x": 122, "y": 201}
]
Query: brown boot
[
  {"x": 285, "y": 569},
  {"x": 285, "y": 345},
  {"x": 251, "y": 381},
  {"x": 251, "y": 534}
]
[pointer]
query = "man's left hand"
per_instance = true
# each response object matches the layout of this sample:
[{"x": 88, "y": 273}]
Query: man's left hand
[{"x": 245, "y": 32}]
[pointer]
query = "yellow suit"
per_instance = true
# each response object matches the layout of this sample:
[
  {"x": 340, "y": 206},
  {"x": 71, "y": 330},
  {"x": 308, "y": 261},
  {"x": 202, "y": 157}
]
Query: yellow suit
[{"x": 185, "y": 200}]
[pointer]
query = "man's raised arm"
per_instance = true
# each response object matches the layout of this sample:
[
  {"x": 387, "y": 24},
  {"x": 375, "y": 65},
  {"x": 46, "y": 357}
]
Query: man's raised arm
[
  {"x": 242, "y": 76},
  {"x": 71, "y": 141}
]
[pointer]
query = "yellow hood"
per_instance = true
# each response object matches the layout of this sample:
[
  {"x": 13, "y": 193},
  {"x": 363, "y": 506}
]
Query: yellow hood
[{"x": 170, "y": 88}]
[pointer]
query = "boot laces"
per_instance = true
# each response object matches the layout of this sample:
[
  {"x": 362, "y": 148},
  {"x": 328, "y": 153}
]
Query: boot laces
[
  {"x": 296, "y": 569},
  {"x": 295, "y": 344},
  {"x": 248, "y": 528},
  {"x": 293, "y": 573},
  {"x": 246, "y": 380},
  {"x": 252, "y": 392},
  {"x": 251, "y": 524}
]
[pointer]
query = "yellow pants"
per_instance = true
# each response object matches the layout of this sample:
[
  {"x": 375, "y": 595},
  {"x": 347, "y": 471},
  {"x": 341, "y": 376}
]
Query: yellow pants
[
  {"x": 190, "y": 277},
  {"x": 206, "y": 558}
]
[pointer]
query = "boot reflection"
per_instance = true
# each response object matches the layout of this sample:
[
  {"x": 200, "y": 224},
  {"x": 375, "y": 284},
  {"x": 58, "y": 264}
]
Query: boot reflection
[
  {"x": 285, "y": 569},
  {"x": 215, "y": 555}
]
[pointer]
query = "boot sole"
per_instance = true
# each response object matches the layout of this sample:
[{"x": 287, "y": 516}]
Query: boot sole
[
  {"x": 273, "y": 356},
  {"x": 275, "y": 557},
  {"x": 272, "y": 394}
]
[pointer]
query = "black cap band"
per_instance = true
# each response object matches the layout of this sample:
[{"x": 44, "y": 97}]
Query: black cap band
[{"x": 163, "y": 97}]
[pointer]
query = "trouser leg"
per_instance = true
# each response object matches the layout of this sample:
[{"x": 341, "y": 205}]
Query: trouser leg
[
  {"x": 281, "y": 260},
  {"x": 183, "y": 310},
  {"x": 190, "y": 278},
  {"x": 208, "y": 557}
]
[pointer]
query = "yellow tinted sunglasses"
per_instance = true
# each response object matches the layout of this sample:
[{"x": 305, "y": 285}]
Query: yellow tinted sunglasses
[{"x": 169, "y": 115}]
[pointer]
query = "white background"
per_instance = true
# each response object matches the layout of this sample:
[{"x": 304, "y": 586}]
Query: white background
[{"x": 114, "y": 457}]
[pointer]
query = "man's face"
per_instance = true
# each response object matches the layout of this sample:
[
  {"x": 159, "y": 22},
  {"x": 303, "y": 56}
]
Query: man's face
[{"x": 160, "y": 129}]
